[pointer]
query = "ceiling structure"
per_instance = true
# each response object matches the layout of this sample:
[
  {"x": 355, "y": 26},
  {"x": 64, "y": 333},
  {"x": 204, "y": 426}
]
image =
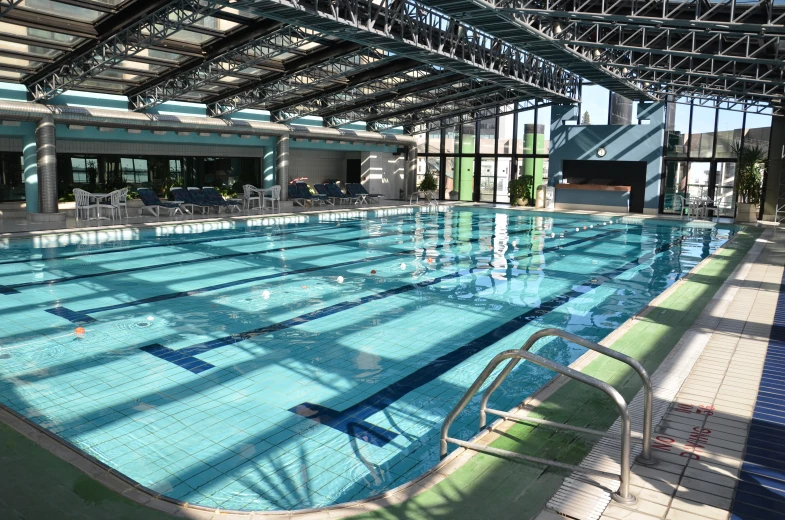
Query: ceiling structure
[{"x": 393, "y": 63}]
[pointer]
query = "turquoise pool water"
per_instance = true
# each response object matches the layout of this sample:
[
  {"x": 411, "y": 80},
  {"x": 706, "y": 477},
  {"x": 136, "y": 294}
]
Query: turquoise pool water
[{"x": 288, "y": 365}]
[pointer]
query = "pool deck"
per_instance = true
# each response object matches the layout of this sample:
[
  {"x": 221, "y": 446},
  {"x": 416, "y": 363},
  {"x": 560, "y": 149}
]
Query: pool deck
[{"x": 49, "y": 482}]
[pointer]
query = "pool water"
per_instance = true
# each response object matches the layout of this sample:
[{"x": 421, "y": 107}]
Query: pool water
[{"x": 288, "y": 365}]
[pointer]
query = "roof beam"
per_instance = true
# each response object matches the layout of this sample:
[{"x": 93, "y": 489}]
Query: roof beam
[
  {"x": 6, "y": 6},
  {"x": 150, "y": 30},
  {"x": 288, "y": 39},
  {"x": 272, "y": 93},
  {"x": 407, "y": 28}
]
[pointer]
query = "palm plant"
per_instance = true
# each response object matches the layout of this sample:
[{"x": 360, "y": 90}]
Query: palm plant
[{"x": 749, "y": 168}]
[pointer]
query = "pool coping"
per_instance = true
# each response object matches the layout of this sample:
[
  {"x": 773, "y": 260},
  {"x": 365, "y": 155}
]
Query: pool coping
[
  {"x": 627, "y": 218},
  {"x": 129, "y": 488}
]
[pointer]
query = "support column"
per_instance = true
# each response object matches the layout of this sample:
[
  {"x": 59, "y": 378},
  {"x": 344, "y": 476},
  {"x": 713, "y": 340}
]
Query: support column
[
  {"x": 47, "y": 164},
  {"x": 411, "y": 171},
  {"x": 268, "y": 167},
  {"x": 282, "y": 164},
  {"x": 30, "y": 173}
]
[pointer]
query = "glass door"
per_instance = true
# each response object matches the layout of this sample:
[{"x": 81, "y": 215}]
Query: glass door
[
  {"x": 487, "y": 179},
  {"x": 699, "y": 176},
  {"x": 504, "y": 169},
  {"x": 724, "y": 188}
]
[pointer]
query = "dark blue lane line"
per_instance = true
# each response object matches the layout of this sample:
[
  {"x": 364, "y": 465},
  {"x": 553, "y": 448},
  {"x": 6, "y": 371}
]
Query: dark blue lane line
[
  {"x": 187, "y": 354},
  {"x": 760, "y": 493},
  {"x": 352, "y": 421},
  {"x": 377, "y": 402},
  {"x": 84, "y": 315}
]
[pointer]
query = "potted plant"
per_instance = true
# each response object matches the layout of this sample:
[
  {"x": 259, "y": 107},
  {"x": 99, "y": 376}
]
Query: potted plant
[
  {"x": 428, "y": 182},
  {"x": 520, "y": 190},
  {"x": 749, "y": 170}
]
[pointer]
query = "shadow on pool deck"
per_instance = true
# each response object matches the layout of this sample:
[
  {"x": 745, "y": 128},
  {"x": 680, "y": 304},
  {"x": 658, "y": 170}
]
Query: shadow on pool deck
[{"x": 42, "y": 486}]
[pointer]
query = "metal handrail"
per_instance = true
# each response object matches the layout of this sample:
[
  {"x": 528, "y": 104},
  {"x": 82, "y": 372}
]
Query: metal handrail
[
  {"x": 645, "y": 456},
  {"x": 623, "y": 495}
]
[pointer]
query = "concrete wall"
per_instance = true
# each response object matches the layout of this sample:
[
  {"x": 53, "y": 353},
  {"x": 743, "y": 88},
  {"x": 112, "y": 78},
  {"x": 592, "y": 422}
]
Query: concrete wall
[
  {"x": 318, "y": 165},
  {"x": 384, "y": 173},
  {"x": 621, "y": 142}
]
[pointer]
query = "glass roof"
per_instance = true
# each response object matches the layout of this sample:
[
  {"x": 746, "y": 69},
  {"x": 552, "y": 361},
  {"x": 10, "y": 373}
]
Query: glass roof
[{"x": 59, "y": 9}]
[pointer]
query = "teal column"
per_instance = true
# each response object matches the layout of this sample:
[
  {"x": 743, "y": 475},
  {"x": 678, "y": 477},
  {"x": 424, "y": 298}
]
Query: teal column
[
  {"x": 268, "y": 167},
  {"x": 29, "y": 150}
]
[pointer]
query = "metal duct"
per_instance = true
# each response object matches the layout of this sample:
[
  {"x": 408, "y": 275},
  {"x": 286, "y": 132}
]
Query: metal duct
[
  {"x": 46, "y": 156},
  {"x": 20, "y": 111},
  {"x": 282, "y": 164}
]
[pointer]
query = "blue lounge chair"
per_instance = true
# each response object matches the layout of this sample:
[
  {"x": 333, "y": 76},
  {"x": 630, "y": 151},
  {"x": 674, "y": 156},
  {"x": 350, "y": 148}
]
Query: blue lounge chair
[
  {"x": 335, "y": 192},
  {"x": 187, "y": 199},
  {"x": 305, "y": 193},
  {"x": 153, "y": 204},
  {"x": 359, "y": 191},
  {"x": 321, "y": 190},
  {"x": 214, "y": 196},
  {"x": 294, "y": 195}
]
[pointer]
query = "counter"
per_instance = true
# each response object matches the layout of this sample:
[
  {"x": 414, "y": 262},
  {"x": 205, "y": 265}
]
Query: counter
[{"x": 593, "y": 197}]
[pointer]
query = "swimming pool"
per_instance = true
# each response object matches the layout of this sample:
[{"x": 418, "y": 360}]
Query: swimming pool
[{"x": 287, "y": 364}]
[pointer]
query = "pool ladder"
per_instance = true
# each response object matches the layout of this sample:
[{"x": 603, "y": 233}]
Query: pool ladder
[{"x": 515, "y": 356}]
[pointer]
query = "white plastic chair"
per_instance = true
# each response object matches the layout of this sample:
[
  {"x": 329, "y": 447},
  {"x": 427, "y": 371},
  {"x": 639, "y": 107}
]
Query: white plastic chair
[
  {"x": 113, "y": 205},
  {"x": 250, "y": 194},
  {"x": 122, "y": 202},
  {"x": 273, "y": 195},
  {"x": 82, "y": 198}
]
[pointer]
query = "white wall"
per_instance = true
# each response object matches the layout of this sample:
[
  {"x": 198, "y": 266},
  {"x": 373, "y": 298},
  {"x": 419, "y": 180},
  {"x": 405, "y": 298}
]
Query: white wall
[
  {"x": 383, "y": 173},
  {"x": 318, "y": 165}
]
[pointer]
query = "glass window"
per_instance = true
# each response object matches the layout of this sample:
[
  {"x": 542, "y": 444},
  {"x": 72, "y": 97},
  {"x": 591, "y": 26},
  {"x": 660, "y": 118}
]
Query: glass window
[
  {"x": 79, "y": 170},
  {"x": 420, "y": 138},
  {"x": 524, "y": 134},
  {"x": 543, "y": 130},
  {"x": 702, "y": 133},
  {"x": 506, "y": 134},
  {"x": 757, "y": 130},
  {"x": 698, "y": 173},
  {"x": 464, "y": 172},
  {"x": 729, "y": 125},
  {"x": 467, "y": 139},
  {"x": 675, "y": 187},
  {"x": 62, "y": 10},
  {"x": 435, "y": 141},
  {"x": 678, "y": 128},
  {"x": 450, "y": 136},
  {"x": 487, "y": 135},
  {"x": 433, "y": 166},
  {"x": 723, "y": 190},
  {"x": 595, "y": 102}
]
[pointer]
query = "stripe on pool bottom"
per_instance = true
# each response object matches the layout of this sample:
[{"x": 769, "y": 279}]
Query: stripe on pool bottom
[
  {"x": 84, "y": 315},
  {"x": 352, "y": 421}
]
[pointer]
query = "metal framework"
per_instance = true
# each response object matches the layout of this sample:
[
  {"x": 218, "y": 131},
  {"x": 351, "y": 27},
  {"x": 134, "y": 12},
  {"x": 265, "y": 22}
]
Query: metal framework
[
  {"x": 267, "y": 95},
  {"x": 725, "y": 48},
  {"x": 150, "y": 30},
  {"x": 409, "y": 28},
  {"x": 289, "y": 39},
  {"x": 7, "y": 5}
]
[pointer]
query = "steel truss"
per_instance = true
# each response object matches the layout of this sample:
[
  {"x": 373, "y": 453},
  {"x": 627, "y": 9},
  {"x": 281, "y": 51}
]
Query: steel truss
[
  {"x": 7, "y": 5},
  {"x": 148, "y": 31},
  {"x": 734, "y": 48},
  {"x": 285, "y": 40},
  {"x": 477, "y": 107},
  {"x": 267, "y": 95},
  {"x": 432, "y": 125},
  {"x": 409, "y": 28},
  {"x": 441, "y": 97},
  {"x": 362, "y": 93}
]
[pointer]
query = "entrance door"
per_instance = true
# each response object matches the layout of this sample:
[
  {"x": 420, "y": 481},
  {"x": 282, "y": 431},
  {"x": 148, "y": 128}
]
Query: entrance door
[
  {"x": 353, "y": 170},
  {"x": 487, "y": 179}
]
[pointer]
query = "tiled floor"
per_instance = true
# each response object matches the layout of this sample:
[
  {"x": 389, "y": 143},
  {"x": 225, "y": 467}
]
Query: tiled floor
[{"x": 701, "y": 440}]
